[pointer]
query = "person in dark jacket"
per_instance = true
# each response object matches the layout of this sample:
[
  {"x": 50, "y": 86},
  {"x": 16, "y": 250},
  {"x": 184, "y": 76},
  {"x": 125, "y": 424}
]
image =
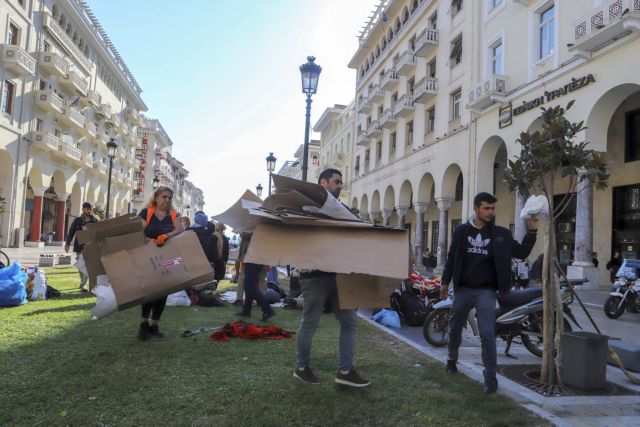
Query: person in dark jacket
[
  {"x": 202, "y": 227},
  {"x": 217, "y": 251},
  {"x": 77, "y": 225},
  {"x": 613, "y": 265},
  {"x": 479, "y": 263}
]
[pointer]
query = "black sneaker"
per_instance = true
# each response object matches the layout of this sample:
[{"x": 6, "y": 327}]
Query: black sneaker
[
  {"x": 155, "y": 331},
  {"x": 351, "y": 379},
  {"x": 144, "y": 332},
  {"x": 243, "y": 314},
  {"x": 267, "y": 316},
  {"x": 451, "y": 367},
  {"x": 490, "y": 385},
  {"x": 306, "y": 375}
]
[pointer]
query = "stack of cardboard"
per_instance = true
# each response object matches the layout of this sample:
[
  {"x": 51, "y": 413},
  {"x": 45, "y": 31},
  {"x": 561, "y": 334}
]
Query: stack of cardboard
[
  {"x": 305, "y": 226},
  {"x": 139, "y": 272}
]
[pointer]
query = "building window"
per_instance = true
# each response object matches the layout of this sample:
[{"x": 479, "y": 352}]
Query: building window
[
  {"x": 431, "y": 68},
  {"x": 431, "y": 119},
  {"x": 458, "y": 194},
  {"x": 380, "y": 111},
  {"x": 378, "y": 151},
  {"x": 410, "y": 85},
  {"x": 456, "y": 52},
  {"x": 39, "y": 125},
  {"x": 8, "y": 90},
  {"x": 494, "y": 3},
  {"x": 357, "y": 165},
  {"x": 394, "y": 98},
  {"x": 546, "y": 32},
  {"x": 412, "y": 43},
  {"x": 456, "y": 98},
  {"x": 410, "y": 133},
  {"x": 632, "y": 136},
  {"x": 13, "y": 34},
  {"x": 435, "y": 231},
  {"x": 497, "y": 58},
  {"x": 456, "y": 7},
  {"x": 454, "y": 224},
  {"x": 366, "y": 159},
  {"x": 433, "y": 21},
  {"x": 392, "y": 142}
]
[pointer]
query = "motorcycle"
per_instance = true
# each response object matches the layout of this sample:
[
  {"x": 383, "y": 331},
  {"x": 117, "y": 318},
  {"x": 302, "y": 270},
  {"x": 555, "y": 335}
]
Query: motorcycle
[
  {"x": 626, "y": 293},
  {"x": 519, "y": 315}
]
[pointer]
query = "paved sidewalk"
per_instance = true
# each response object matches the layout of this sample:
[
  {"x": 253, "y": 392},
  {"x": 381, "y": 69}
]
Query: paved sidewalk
[
  {"x": 31, "y": 256},
  {"x": 562, "y": 411}
]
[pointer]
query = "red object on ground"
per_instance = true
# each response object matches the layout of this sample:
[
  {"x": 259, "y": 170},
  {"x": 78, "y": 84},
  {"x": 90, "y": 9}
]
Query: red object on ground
[{"x": 246, "y": 330}]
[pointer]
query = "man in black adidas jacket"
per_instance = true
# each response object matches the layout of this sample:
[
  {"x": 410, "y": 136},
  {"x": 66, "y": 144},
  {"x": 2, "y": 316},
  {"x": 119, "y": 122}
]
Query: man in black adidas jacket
[{"x": 479, "y": 262}]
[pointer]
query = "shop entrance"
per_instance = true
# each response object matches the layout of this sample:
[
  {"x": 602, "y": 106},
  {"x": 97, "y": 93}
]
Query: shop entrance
[{"x": 626, "y": 221}]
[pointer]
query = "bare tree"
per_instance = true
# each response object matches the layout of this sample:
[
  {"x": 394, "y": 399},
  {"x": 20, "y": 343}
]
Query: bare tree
[{"x": 550, "y": 158}]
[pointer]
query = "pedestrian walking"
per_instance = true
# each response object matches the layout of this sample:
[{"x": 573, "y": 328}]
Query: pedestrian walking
[
  {"x": 319, "y": 287},
  {"x": 217, "y": 250},
  {"x": 613, "y": 265},
  {"x": 202, "y": 227},
  {"x": 479, "y": 264},
  {"x": 161, "y": 222},
  {"x": 252, "y": 275},
  {"x": 86, "y": 217}
]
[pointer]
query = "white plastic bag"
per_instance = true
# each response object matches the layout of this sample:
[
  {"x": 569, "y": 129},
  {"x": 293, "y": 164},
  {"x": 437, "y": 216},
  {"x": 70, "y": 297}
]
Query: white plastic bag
[
  {"x": 39, "y": 286},
  {"x": 535, "y": 206},
  {"x": 179, "y": 299},
  {"x": 105, "y": 298}
]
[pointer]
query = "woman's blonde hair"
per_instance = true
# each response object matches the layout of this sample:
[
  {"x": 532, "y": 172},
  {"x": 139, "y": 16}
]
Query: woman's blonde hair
[{"x": 160, "y": 190}]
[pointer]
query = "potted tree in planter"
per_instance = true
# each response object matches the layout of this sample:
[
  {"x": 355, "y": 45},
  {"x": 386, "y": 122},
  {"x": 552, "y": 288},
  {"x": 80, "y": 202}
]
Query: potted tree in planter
[{"x": 550, "y": 158}]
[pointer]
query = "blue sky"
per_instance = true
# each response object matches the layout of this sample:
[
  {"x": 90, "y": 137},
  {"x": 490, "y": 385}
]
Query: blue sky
[{"x": 222, "y": 77}]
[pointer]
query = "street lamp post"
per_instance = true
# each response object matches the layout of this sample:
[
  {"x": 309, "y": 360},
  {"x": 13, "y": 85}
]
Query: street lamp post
[
  {"x": 259, "y": 190},
  {"x": 271, "y": 166},
  {"x": 112, "y": 146},
  {"x": 310, "y": 73}
]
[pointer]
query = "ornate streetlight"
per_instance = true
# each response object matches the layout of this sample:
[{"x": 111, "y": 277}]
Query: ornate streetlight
[
  {"x": 271, "y": 166},
  {"x": 112, "y": 146},
  {"x": 310, "y": 73},
  {"x": 259, "y": 190}
]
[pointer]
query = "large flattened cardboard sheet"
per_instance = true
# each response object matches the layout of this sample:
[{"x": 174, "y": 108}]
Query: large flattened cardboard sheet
[
  {"x": 237, "y": 217},
  {"x": 372, "y": 251},
  {"x": 149, "y": 272},
  {"x": 364, "y": 291}
]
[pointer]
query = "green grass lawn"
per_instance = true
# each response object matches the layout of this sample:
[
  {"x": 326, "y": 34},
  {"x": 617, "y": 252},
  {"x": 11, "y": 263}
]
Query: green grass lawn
[{"x": 59, "y": 367}]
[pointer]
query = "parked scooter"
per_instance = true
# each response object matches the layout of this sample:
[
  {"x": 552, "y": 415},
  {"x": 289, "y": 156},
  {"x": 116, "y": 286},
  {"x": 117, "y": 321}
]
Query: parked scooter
[
  {"x": 626, "y": 292},
  {"x": 519, "y": 315}
]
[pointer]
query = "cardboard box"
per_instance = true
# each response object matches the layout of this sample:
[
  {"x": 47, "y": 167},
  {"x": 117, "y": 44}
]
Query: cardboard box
[
  {"x": 372, "y": 261},
  {"x": 147, "y": 272},
  {"x": 106, "y": 237}
]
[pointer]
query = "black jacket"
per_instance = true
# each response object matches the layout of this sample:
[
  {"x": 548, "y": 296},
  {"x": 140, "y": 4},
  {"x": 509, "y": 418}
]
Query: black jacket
[
  {"x": 77, "y": 225},
  {"x": 504, "y": 248}
]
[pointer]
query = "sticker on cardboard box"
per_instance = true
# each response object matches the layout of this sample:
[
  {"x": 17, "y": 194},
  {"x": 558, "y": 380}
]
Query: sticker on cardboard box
[{"x": 172, "y": 262}]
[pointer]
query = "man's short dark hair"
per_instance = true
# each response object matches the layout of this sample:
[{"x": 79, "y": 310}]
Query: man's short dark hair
[
  {"x": 484, "y": 197},
  {"x": 328, "y": 173},
  {"x": 86, "y": 205}
]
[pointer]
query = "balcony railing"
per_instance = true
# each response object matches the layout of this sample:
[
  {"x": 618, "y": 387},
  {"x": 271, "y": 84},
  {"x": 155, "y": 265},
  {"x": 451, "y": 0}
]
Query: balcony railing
[
  {"x": 426, "y": 42},
  {"x": 92, "y": 98},
  {"x": 388, "y": 119},
  {"x": 605, "y": 23},
  {"x": 102, "y": 167},
  {"x": 424, "y": 90},
  {"x": 374, "y": 130},
  {"x": 103, "y": 110},
  {"x": 362, "y": 138},
  {"x": 16, "y": 59},
  {"x": 389, "y": 80},
  {"x": 45, "y": 140},
  {"x": 87, "y": 161},
  {"x": 90, "y": 129},
  {"x": 71, "y": 152},
  {"x": 404, "y": 106},
  {"x": 74, "y": 82},
  {"x": 63, "y": 38},
  {"x": 364, "y": 106},
  {"x": 405, "y": 64},
  {"x": 52, "y": 63},
  {"x": 376, "y": 94},
  {"x": 113, "y": 120},
  {"x": 73, "y": 117},
  {"x": 488, "y": 92},
  {"x": 48, "y": 101},
  {"x": 132, "y": 115}
]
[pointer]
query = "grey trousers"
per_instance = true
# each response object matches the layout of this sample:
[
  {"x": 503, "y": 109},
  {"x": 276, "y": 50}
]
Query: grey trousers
[
  {"x": 315, "y": 292},
  {"x": 484, "y": 300}
]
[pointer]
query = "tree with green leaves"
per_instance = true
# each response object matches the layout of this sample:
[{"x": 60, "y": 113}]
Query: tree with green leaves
[{"x": 550, "y": 163}]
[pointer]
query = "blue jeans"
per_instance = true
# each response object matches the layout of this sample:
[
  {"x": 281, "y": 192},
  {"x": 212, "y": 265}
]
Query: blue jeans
[
  {"x": 315, "y": 292},
  {"x": 252, "y": 291},
  {"x": 484, "y": 300}
]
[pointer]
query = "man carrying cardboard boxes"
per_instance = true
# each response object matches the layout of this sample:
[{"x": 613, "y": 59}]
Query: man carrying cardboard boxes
[{"x": 319, "y": 287}]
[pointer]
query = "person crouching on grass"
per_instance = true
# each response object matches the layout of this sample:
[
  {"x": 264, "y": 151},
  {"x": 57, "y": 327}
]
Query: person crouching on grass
[{"x": 161, "y": 223}]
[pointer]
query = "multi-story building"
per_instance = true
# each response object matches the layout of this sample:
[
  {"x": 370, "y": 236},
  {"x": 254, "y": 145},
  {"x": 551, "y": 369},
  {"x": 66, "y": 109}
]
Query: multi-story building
[
  {"x": 293, "y": 168},
  {"x": 336, "y": 126},
  {"x": 65, "y": 93},
  {"x": 444, "y": 89}
]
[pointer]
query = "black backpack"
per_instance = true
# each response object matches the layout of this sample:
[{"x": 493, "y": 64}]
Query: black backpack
[{"x": 405, "y": 301}]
